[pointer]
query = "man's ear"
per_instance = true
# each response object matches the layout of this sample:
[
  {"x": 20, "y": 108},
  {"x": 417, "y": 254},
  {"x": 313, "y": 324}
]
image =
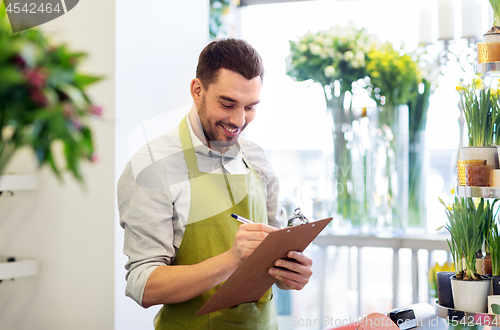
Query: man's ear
[{"x": 196, "y": 89}]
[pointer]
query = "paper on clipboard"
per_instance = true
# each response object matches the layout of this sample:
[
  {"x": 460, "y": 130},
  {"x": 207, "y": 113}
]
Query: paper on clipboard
[{"x": 251, "y": 280}]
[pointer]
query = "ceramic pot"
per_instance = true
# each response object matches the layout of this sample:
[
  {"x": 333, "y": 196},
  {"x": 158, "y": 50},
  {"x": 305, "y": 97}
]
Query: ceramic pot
[
  {"x": 490, "y": 154},
  {"x": 445, "y": 297},
  {"x": 470, "y": 296}
]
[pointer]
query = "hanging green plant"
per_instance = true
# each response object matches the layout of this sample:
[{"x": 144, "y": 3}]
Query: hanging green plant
[{"x": 43, "y": 100}]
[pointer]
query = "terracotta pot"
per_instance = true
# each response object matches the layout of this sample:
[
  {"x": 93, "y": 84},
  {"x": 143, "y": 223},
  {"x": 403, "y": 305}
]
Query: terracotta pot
[{"x": 487, "y": 270}]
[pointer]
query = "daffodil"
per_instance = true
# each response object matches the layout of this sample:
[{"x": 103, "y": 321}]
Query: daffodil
[
  {"x": 452, "y": 191},
  {"x": 478, "y": 83}
]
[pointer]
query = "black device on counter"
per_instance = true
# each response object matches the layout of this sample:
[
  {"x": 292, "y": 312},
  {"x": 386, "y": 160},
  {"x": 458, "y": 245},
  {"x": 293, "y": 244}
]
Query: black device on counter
[{"x": 405, "y": 318}]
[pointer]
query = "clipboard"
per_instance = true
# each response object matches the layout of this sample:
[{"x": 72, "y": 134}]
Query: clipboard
[{"x": 251, "y": 280}]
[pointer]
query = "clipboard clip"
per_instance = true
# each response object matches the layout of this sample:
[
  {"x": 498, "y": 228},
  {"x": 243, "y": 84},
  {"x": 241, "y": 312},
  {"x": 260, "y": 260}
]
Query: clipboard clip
[{"x": 297, "y": 218}]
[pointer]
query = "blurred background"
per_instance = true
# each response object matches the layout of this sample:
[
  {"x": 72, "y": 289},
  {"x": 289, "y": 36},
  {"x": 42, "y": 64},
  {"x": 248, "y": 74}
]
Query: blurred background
[{"x": 146, "y": 53}]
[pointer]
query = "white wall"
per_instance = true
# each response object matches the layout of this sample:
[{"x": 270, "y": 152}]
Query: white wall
[
  {"x": 157, "y": 48},
  {"x": 68, "y": 229},
  {"x": 74, "y": 232}
]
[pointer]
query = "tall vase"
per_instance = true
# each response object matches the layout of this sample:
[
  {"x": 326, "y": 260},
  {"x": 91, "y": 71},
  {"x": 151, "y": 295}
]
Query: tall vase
[
  {"x": 391, "y": 168},
  {"x": 347, "y": 205},
  {"x": 417, "y": 166}
]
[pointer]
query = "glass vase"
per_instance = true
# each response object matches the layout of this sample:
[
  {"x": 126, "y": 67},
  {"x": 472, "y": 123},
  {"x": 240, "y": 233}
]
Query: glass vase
[
  {"x": 349, "y": 165},
  {"x": 417, "y": 181},
  {"x": 389, "y": 203}
]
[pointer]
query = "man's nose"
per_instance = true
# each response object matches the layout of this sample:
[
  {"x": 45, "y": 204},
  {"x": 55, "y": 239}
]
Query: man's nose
[{"x": 238, "y": 117}]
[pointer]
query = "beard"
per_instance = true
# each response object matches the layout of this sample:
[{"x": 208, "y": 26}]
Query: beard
[{"x": 213, "y": 131}]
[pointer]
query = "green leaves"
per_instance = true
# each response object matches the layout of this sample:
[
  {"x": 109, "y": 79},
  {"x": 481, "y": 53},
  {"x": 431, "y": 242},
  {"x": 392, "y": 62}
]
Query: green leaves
[
  {"x": 482, "y": 113},
  {"x": 469, "y": 224},
  {"x": 43, "y": 100}
]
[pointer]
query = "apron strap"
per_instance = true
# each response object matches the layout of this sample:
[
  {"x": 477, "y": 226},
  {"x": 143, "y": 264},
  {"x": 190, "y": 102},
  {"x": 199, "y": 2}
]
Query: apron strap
[{"x": 187, "y": 146}]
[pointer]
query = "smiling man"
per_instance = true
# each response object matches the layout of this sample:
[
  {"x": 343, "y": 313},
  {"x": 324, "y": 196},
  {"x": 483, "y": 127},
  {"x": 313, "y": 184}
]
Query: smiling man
[{"x": 177, "y": 194}]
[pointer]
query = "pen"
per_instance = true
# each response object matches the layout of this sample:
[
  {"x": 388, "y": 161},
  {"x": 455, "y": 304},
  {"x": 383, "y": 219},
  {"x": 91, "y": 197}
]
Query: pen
[{"x": 241, "y": 219}]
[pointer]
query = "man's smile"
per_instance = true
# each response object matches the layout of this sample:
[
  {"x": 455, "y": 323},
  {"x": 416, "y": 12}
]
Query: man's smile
[{"x": 230, "y": 131}]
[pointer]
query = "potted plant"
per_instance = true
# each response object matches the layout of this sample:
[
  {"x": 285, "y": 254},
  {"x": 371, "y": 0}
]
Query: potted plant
[
  {"x": 494, "y": 247},
  {"x": 489, "y": 239},
  {"x": 466, "y": 227},
  {"x": 482, "y": 115},
  {"x": 43, "y": 100}
]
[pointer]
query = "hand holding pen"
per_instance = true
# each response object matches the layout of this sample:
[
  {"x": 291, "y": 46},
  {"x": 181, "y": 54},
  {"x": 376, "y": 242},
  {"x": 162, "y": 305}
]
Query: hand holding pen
[{"x": 248, "y": 237}]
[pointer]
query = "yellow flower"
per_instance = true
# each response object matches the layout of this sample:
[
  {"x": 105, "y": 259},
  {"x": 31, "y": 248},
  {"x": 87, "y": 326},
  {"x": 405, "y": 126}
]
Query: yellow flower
[
  {"x": 449, "y": 207},
  {"x": 376, "y": 74},
  {"x": 478, "y": 83},
  {"x": 452, "y": 191},
  {"x": 476, "y": 201}
]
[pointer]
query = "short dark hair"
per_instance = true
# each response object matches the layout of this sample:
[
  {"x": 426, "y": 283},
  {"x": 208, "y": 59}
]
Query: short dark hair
[{"x": 233, "y": 54}]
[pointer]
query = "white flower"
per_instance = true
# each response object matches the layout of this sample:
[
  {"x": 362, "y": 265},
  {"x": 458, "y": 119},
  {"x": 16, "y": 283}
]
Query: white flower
[
  {"x": 357, "y": 63},
  {"x": 348, "y": 55},
  {"x": 329, "y": 71},
  {"x": 327, "y": 42},
  {"x": 315, "y": 49},
  {"x": 318, "y": 40},
  {"x": 302, "y": 48}
]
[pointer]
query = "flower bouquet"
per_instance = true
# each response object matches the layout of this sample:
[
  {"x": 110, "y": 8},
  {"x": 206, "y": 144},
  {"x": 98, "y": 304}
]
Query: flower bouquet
[
  {"x": 395, "y": 80},
  {"x": 336, "y": 58}
]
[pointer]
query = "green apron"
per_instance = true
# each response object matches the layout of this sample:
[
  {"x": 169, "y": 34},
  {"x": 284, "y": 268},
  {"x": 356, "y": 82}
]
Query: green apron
[{"x": 210, "y": 231}]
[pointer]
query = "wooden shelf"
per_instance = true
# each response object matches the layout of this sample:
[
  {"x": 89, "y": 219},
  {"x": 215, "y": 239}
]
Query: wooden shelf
[
  {"x": 18, "y": 268},
  {"x": 15, "y": 182}
]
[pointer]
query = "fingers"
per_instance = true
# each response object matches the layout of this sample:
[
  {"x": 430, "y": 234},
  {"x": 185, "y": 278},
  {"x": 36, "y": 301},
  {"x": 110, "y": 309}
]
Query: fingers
[
  {"x": 248, "y": 237},
  {"x": 257, "y": 227},
  {"x": 295, "y": 273}
]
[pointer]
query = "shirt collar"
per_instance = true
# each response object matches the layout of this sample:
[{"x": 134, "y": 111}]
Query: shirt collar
[{"x": 234, "y": 151}]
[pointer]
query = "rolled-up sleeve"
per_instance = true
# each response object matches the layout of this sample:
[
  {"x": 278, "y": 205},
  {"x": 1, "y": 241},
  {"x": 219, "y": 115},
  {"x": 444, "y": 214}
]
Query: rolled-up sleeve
[{"x": 146, "y": 210}]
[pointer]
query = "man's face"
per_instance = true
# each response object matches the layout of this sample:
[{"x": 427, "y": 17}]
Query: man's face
[{"x": 227, "y": 107}]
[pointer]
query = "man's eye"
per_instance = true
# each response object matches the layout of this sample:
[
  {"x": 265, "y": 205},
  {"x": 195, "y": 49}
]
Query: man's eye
[{"x": 226, "y": 105}]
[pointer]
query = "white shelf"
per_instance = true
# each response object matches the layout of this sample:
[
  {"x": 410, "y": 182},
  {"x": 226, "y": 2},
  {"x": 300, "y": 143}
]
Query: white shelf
[
  {"x": 13, "y": 182},
  {"x": 482, "y": 192},
  {"x": 18, "y": 268}
]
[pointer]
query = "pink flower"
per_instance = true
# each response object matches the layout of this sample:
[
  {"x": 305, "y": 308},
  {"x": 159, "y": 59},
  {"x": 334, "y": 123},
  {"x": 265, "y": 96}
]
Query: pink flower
[
  {"x": 19, "y": 61},
  {"x": 35, "y": 77},
  {"x": 77, "y": 123},
  {"x": 95, "y": 158},
  {"x": 68, "y": 110},
  {"x": 38, "y": 97},
  {"x": 96, "y": 110}
]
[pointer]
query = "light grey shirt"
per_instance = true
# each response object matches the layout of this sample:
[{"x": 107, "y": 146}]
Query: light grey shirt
[{"x": 154, "y": 198}]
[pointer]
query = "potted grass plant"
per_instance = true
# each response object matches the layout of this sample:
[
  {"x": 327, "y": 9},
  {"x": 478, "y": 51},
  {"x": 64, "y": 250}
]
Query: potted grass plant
[
  {"x": 482, "y": 115},
  {"x": 494, "y": 246},
  {"x": 489, "y": 226},
  {"x": 466, "y": 221}
]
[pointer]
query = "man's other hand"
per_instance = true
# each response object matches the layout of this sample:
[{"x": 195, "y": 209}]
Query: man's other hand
[{"x": 292, "y": 274}]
